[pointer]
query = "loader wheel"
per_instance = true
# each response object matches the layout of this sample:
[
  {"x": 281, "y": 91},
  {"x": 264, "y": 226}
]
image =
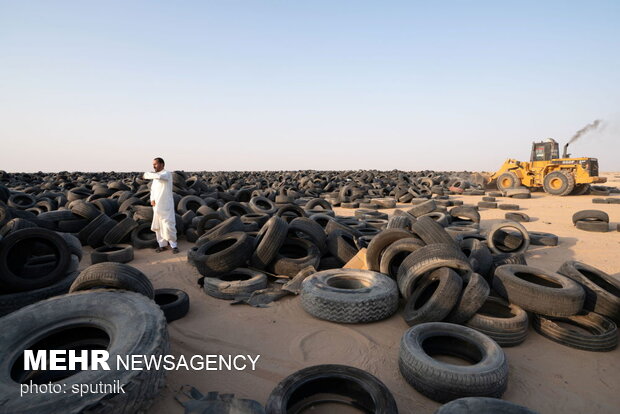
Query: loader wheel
[
  {"x": 508, "y": 180},
  {"x": 559, "y": 183}
]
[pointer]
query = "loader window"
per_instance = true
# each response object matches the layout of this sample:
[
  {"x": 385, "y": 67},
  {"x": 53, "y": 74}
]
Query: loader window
[{"x": 539, "y": 153}]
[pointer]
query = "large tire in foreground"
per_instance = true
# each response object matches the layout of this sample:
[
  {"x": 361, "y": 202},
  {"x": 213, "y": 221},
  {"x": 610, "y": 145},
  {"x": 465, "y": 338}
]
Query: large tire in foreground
[
  {"x": 341, "y": 383},
  {"x": 443, "y": 382},
  {"x": 124, "y": 323},
  {"x": 482, "y": 405},
  {"x": 349, "y": 295}
]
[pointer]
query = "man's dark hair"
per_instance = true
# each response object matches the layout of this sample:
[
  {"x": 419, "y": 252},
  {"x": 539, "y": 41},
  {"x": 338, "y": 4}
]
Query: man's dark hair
[{"x": 160, "y": 160}]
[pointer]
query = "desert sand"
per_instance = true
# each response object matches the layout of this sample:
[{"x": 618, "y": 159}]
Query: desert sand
[{"x": 544, "y": 376}]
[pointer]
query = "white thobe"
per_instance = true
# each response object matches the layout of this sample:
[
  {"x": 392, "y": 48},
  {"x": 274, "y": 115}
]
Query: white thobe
[{"x": 164, "y": 223}]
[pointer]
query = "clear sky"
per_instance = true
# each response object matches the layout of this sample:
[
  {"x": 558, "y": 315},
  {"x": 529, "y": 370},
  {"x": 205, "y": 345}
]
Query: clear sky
[{"x": 255, "y": 85}]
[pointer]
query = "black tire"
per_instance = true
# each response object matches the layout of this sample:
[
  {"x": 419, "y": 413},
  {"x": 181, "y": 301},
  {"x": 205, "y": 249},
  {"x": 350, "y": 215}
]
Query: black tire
[
  {"x": 120, "y": 231},
  {"x": 482, "y": 405},
  {"x": 581, "y": 189},
  {"x": 500, "y": 248},
  {"x": 349, "y": 296},
  {"x": 423, "y": 208},
  {"x": 100, "y": 320},
  {"x": 209, "y": 222},
  {"x": 487, "y": 377},
  {"x": 118, "y": 253},
  {"x": 431, "y": 232},
  {"x": 593, "y": 226},
  {"x": 294, "y": 255},
  {"x": 19, "y": 247},
  {"x": 85, "y": 210},
  {"x": 434, "y": 297},
  {"x": 189, "y": 203},
  {"x": 479, "y": 256},
  {"x": 508, "y": 206},
  {"x": 539, "y": 291},
  {"x": 238, "y": 283},
  {"x": 399, "y": 222},
  {"x": 223, "y": 254},
  {"x": 475, "y": 292},
  {"x": 559, "y": 183},
  {"x": 360, "y": 389},
  {"x": 602, "y": 290},
  {"x": 21, "y": 201},
  {"x": 263, "y": 205},
  {"x": 307, "y": 228},
  {"x": 268, "y": 241},
  {"x": 518, "y": 217},
  {"x": 113, "y": 276},
  {"x": 341, "y": 244},
  {"x": 11, "y": 302},
  {"x": 539, "y": 238},
  {"x": 395, "y": 253},
  {"x": 95, "y": 238},
  {"x": 142, "y": 237},
  {"x": 465, "y": 213},
  {"x": 602, "y": 333},
  {"x": 15, "y": 225},
  {"x": 508, "y": 180},
  {"x": 85, "y": 233},
  {"x": 591, "y": 215},
  {"x": 487, "y": 204},
  {"x": 427, "y": 259},
  {"x": 73, "y": 243},
  {"x": 505, "y": 323},
  {"x": 230, "y": 225},
  {"x": 379, "y": 243},
  {"x": 173, "y": 302},
  {"x": 318, "y": 202}
]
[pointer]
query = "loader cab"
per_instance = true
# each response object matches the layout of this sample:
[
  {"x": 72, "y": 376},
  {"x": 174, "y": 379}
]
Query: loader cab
[{"x": 545, "y": 151}]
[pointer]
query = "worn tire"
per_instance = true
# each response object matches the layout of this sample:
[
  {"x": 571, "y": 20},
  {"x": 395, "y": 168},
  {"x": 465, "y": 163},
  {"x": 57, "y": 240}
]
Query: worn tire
[
  {"x": 443, "y": 382},
  {"x": 505, "y": 323},
  {"x": 431, "y": 232},
  {"x": 602, "y": 332},
  {"x": 223, "y": 254},
  {"x": 359, "y": 389},
  {"x": 539, "y": 291},
  {"x": 113, "y": 276},
  {"x": 237, "y": 283},
  {"x": 590, "y": 215},
  {"x": 349, "y": 295},
  {"x": 379, "y": 243},
  {"x": 103, "y": 311},
  {"x": 268, "y": 241},
  {"x": 602, "y": 290},
  {"x": 294, "y": 255},
  {"x": 395, "y": 253},
  {"x": 475, "y": 292},
  {"x": 482, "y": 405},
  {"x": 118, "y": 253},
  {"x": 173, "y": 302},
  {"x": 434, "y": 297},
  {"x": 498, "y": 248},
  {"x": 593, "y": 226},
  {"x": 341, "y": 244}
]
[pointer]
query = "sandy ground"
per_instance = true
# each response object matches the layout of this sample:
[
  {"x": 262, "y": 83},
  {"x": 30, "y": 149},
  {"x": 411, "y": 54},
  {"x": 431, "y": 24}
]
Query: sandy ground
[{"x": 544, "y": 375}]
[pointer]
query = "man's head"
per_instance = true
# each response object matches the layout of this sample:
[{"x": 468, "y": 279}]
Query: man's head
[{"x": 158, "y": 164}]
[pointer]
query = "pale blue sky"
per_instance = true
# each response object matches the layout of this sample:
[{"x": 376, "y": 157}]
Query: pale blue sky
[{"x": 255, "y": 85}]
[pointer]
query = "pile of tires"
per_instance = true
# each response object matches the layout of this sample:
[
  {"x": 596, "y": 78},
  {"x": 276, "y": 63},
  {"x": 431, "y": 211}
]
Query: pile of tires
[{"x": 591, "y": 220}]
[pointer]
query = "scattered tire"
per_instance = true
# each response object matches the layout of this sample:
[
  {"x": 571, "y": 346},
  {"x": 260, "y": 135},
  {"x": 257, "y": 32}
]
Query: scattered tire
[
  {"x": 518, "y": 217},
  {"x": 508, "y": 206},
  {"x": 294, "y": 255},
  {"x": 479, "y": 255},
  {"x": 223, "y": 254},
  {"x": 238, "y": 283},
  {"x": 119, "y": 253},
  {"x": 593, "y": 226},
  {"x": 173, "y": 302},
  {"x": 505, "y": 323},
  {"x": 142, "y": 237},
  {"x": 349, "y": 295},
  {"x": 434, "y": 297},
  {"x": 539, "y": 238},
  {"x": 268, "y": 241},
  {"x": 501, "y": 248},
  {"x": 431, "y": 232},
  {"x": 101, "y": 320},
  {"x": 539, "y": 291},
  {"x": 591, "y": 216},
  {"x": 487, "y": 377},
  {"x": 474, "y": 294},
  {"x": 341, "y": 244},
  {"x": 602, "y": 290},
  {"x": 299, "y": 391},
  {"x": 109, "y": 275},
  {"x": 379, "y": 243},
  {"x": 395, "y": 253},
  {"x": 601, "y": 336},
  {"x": 482, "y": 405}
]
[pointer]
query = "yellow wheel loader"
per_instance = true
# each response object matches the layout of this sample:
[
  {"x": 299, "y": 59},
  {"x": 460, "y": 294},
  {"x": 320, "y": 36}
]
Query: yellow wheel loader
[{"x": 557, "y": 176}]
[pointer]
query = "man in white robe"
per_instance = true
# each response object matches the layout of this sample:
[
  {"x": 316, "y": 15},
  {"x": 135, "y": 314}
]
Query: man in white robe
[{"x": 164, "y": 222}]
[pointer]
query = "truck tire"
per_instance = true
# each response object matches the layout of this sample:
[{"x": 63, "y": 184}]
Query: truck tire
[
  {"x": 439, "y": 381},
  {"x": 539, "y": 291},
  {"x": 508, "y": 180},
  {"x": 602, "y": 333},
  {"x": 349, "y": 295},
  {"x": 559, "y": 183},
  {"x": 359, "y": 389},
  {"x": 602, "y": 290},
  {"x": 125, "y": 323},
  {"x": 505, "y": 323},
  {"x": 434, "y": 297}
]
